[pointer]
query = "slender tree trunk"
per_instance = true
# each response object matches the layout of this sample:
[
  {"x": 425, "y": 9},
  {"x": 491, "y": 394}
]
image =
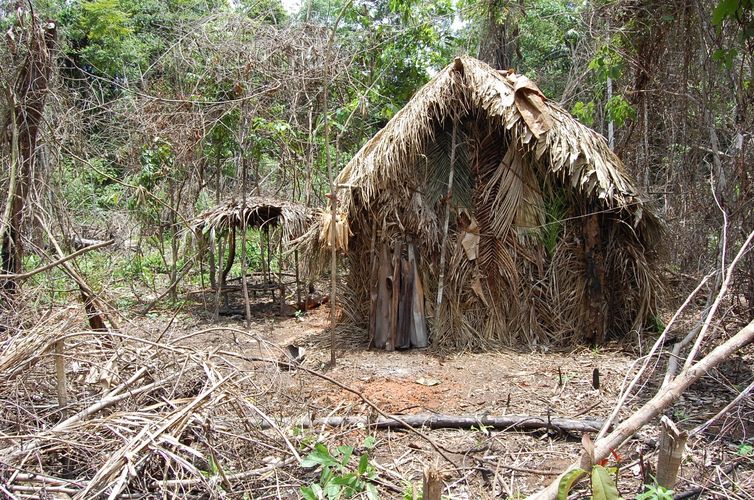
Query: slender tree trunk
[
  {"x": 499, "y": 44},
  {"x": 23, "y": 118},
  {"x": 333, "y": 187}
]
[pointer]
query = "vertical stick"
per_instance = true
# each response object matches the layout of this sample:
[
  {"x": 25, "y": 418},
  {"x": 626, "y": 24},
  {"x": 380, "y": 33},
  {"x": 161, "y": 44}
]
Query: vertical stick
[
  {"x": 60, "y": 373},
  {"x": 220, "y": 252},
  {"x": 281, "y": 287},
  {"x": 244, "y": 284},
  {"x": 244, "y": 226},
  {"x": 672, "y": 444},
  {"x": 610, "y": 126},
  {"x": 333, "y": 187},
  {"x": 432, "y": 487},
  {"x": 269, "y": 261},
  {"x": 441, "y": 280},
  {"x": 298, "y": 277}
]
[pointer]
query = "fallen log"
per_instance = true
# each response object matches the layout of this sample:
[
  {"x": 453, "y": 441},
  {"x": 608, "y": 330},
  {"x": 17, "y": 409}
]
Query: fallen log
[{"x": 436, "y": 421}]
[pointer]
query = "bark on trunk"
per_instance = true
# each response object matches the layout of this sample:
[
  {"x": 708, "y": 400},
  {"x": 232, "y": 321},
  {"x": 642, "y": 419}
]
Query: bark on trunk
[{"x": 21, "y": 124}]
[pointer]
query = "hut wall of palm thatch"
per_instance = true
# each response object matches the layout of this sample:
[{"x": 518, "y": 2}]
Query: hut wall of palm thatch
[{"x": 548, "y": 241}]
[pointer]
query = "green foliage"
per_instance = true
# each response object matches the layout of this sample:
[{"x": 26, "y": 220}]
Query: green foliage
[
  {"x": 607, "y": 62},
  {"x": 737, "y": 16},
  {"x": 655, "y": 492},
  {"x": 410, "y": 492},
  {"x": 106, "y": 40},
  {"x": 337, "y": 479},
  {"x": 555, "y": 213},
  {"x": 602, "y": 483},
  {"x": 745, "y": 450},
  {"x": 157, "y": 166},
  {"x": 603, "y": 486},
  {"x": 730, "y": 9},
  {"x": 725, "y": 57},
  {"x": 619, "y": 110},
  {"x": 656, "y": 324},
  {"x": 90, "y": 189},
  {"x": 584, "y": 112},
  {"x": 549, "y": 31},
  {"x": 567, "y": 482}
]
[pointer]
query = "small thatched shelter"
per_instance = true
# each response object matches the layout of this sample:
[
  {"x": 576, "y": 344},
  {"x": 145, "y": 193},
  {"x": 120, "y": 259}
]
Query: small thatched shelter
[
  {"x": 487, "y": 199},
  {"x": 257, "y": 212},
  {"x": 262, "y": 213}
]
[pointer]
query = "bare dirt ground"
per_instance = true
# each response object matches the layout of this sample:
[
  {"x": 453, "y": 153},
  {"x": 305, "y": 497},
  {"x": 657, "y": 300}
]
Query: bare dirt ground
[
  {"x": 211, "y": 414},
  {"x": 494, "y": 464}
]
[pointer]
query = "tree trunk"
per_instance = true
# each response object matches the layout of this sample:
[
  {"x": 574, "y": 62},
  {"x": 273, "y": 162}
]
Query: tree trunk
[
  {"x": 499, "y": 44},
  {"x": 21, "y": 125}
]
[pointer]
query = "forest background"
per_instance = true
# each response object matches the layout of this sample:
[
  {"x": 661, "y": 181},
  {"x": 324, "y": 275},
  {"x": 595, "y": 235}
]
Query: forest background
[{"x": 159, "y": 110}]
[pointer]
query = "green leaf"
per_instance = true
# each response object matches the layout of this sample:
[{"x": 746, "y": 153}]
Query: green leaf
[
  {"x": 331, "y": 490},
  {"x": 349, "y": 480},
  {"x": 363, "y": 463},
  {"x": 319, "y": 456},
  {"x": 567, "y": 482},
  {"x": 369, "y": 442},
  {"x": 603, "y": 487},
  {"x": 726, "y": 8},
  {"x": 346, "y": 451},
  {"x": 372, "y": 492},
  {"x": 308, "y": 492}
]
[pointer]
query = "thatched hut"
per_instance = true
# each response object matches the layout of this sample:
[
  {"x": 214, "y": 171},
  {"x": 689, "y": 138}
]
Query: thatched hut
[
  {"x": 491, "y": 211},
  {"x": 223, "y": 223}
]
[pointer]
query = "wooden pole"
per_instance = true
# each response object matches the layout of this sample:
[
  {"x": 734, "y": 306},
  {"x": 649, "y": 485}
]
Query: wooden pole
[
  {"x": 333, "y": 187},
  {"x": 432, "y": 487},
  {"x": 244, "y": 225},
  {"x": 281, "y": 287},
  {"x": 220, "y": 251},
  {"x": 60, "y": 375},
  {"x": 441, "y": 280}
]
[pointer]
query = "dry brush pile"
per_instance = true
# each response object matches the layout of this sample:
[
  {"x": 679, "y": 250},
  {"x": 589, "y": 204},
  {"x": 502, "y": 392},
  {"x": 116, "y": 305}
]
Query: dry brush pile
[{"x": 140, "y": 416}]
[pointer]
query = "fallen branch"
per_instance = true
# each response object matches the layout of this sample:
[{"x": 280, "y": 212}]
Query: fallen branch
[
  {"x": 353, "y": 391},
  {"x": 13, "y": 453},
  {"x": 662, "y": 400},
  {"x": 435, "y": 421},
  {"x": 29, "y": 274}
]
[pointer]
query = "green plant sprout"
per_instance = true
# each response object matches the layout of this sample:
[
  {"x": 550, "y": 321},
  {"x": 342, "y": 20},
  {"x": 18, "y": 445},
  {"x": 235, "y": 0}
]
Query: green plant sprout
[{"x": 337, "y": 479}]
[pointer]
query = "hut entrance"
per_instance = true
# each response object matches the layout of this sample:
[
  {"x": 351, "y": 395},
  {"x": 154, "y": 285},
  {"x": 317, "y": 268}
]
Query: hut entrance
[{"x": 396, "y": 315}]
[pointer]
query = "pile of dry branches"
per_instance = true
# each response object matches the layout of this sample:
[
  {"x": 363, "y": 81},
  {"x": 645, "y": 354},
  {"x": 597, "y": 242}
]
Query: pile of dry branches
[{"x": 134, "y": 415}]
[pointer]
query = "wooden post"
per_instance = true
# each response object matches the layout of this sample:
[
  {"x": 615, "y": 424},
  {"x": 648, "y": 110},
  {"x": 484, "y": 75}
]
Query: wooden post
[
  {"x": 432, "y": 488},
  {"x": 672, "y": 444},
  {"x": 281, "y": 286},
  {"x": 298, "y": 277},
  {"x": 219, "y": 291},
  {"x": 595, "y": 276},
  {"x": 448, "y": 196},
  {"x": 60, "y": 375}
]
